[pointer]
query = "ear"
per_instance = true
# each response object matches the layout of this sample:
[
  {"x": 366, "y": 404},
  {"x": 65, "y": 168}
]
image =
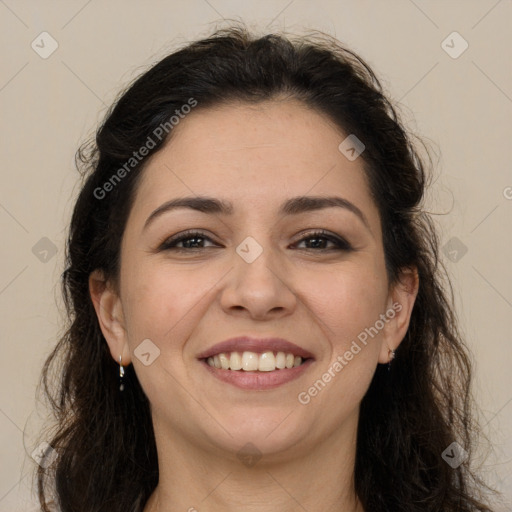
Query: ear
[
  {"x": 109, "y": 311},
  {"x": 401, "y": 300}
]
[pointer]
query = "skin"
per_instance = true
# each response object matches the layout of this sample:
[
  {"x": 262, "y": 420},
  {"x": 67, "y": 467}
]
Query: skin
[{"x": 255, "y": 156}]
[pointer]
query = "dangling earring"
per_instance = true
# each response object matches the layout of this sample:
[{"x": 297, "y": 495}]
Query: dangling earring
[
  {"x": 391, "y": 354},
  {"x": 121, "y": 374}
]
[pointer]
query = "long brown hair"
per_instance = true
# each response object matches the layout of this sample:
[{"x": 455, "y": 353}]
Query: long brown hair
[{"x": 107, "y": 459}]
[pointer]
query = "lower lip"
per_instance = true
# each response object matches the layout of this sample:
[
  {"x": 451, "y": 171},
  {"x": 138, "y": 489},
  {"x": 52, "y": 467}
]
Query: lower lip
[{"x": 258, "y": 380}]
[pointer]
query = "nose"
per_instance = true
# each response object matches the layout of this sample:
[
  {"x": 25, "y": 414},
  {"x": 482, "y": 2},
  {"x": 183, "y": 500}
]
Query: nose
[{"x": 260, "y": 288}]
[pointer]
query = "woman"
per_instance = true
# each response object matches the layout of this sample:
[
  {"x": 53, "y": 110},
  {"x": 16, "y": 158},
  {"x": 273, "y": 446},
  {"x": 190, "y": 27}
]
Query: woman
[{"x": 258, "y": 316}]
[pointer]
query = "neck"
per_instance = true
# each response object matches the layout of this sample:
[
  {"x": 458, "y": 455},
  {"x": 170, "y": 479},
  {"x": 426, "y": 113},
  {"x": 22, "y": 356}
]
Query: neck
[{"x": 318, "y": 477}]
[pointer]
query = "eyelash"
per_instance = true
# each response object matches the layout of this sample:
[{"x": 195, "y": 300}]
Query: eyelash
[{"x": 170, "y": 243}]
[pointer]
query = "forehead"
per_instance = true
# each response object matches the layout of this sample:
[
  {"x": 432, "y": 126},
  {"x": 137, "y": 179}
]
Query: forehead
[{"x": 255, "y": 155}]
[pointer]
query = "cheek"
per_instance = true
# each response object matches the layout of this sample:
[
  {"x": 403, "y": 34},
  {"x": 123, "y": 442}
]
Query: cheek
[
  {"x": 349, "y": 300},
  {"x": 348, "y": 304},
  {"x": 155, "y": 303},
  {"x": 160, "y": 306}
]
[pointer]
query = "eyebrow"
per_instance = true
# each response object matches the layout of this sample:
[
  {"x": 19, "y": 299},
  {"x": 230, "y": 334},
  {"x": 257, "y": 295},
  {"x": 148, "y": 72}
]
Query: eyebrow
[{"x": 292, "y": 206}]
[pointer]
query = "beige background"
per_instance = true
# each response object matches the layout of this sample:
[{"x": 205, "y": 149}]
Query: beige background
[{"x": 463, "y": 105}]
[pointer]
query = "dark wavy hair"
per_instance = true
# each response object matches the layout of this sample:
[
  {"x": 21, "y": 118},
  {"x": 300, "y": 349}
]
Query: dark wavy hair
[{"x": 107, "y": 459}]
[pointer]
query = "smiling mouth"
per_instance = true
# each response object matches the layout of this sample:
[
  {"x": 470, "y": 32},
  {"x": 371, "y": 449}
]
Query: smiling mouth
[{"x": 254, "y": 362}]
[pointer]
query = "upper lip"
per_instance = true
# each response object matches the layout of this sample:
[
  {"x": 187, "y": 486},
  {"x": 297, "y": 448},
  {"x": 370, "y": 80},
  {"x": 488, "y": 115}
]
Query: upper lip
[{"x": 257, "y": 345}]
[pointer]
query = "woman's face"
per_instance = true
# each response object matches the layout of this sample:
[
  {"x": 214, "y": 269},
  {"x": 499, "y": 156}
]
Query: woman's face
[{"x": 256, "y": 271}]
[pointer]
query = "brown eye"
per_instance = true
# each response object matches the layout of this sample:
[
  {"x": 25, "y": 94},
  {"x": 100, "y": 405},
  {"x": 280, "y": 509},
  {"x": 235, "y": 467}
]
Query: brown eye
[
  {"x": 320, "y": 238},
  {"x": 194, "y": 240},
  {"x": 190, "y": 239}
]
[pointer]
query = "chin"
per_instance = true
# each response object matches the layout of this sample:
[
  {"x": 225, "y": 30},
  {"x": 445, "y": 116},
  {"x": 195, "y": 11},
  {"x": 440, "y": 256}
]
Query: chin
[{"x": 267, "y": 435}]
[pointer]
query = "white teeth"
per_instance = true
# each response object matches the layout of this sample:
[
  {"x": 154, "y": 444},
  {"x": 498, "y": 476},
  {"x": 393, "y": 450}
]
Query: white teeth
[
  {"x": 235, "y": 361},
  {"x": 267, "y": 362},
  {"x": 252, "y": 361},
  {"x": 249, "y": 361},
  {"x": 224, "y": 361},
  {"x": 281, "y": 360}
]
